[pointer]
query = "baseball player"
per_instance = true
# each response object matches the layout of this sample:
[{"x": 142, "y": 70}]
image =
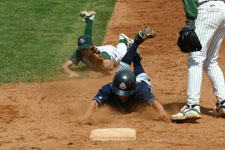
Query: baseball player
[
  {"x": 128, "y": 89},
  {"x": 207, "y": 17},
  {"x": 109, "y": 54}
]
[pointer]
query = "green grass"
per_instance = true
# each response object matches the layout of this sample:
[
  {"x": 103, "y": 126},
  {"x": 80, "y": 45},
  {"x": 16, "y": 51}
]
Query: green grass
[{"x": 38, "y": 36}]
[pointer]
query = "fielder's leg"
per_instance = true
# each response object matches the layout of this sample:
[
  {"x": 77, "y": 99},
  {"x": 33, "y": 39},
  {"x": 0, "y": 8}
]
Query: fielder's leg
[
  {"x": 121, "y": 47},
  {"x": 212, "y": 68},
  {"x": 88, "y": 17}
]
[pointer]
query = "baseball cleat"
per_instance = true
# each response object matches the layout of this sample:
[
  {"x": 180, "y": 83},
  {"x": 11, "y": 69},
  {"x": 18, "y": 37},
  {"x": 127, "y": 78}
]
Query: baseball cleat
[
  {"x": 87, "y": 15},
  {"x": 219, "y": 110},
  {"x": 129, "y": 40},
  {"x": 144, "y": 35},
  {"x": 187, "y": 113}
]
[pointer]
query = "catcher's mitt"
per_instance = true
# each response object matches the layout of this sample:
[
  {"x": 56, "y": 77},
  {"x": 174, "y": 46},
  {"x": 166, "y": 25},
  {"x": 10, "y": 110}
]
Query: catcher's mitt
[
  {"x": 188, "y": 40},
  {"x": 95, "y": 58}
]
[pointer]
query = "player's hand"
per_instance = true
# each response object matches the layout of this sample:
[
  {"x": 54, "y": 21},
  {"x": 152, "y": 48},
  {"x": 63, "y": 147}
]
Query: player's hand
[
  {"x": 165, "y": 118},
  {"x": 83, "y": 120}
]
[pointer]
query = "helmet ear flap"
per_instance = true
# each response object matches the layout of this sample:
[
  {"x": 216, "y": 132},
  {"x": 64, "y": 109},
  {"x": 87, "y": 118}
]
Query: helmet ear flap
[{"x": 124, "y": 83}]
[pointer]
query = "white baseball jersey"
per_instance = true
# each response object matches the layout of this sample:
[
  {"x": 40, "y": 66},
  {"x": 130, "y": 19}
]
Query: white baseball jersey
[{"x": 116, "y": 53}]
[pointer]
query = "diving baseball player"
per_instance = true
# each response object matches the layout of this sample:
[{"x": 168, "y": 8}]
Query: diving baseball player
[
  {"x": 128, "y": 89},
  {"x": 207, "y": 18},
  {"x": 100, "y": 58}
]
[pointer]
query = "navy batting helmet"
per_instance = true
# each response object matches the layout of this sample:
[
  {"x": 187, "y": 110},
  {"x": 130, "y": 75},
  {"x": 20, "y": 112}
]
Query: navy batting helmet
[{"x": 124, "y": 83}]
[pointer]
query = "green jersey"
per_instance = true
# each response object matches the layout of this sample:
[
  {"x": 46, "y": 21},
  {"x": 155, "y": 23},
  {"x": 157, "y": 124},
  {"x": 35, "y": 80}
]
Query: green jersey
[{"x": 76, "y": 57}]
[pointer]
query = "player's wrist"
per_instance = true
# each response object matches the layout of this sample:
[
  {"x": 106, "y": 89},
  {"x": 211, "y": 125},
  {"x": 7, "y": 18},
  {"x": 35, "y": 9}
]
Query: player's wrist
[
  {"x": 190, "y": 24},
  {"x": 190, "y": 21}
]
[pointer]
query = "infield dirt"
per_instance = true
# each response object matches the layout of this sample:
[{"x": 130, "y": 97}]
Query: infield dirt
[{"x": 42, "y": 116}]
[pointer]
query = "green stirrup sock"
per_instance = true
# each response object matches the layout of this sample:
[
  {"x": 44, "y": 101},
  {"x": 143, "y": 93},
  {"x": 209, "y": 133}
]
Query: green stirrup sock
[{"x": 123, "y": 41}]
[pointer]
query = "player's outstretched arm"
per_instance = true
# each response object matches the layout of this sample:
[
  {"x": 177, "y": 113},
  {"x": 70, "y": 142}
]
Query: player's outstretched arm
[
  {"x": 66, "y": 69},
  {"x": 159, "y": 108},
  {"x": 90, "y": 109}
]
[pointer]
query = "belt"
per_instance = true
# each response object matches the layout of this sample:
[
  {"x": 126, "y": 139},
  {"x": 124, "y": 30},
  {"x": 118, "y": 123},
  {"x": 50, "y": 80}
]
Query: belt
[{"x": 203, "y": 2}]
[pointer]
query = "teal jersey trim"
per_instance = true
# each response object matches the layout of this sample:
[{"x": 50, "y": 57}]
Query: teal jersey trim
[
  {"x": 105, "y": 55},
  {"x": 190, "y": 7}
]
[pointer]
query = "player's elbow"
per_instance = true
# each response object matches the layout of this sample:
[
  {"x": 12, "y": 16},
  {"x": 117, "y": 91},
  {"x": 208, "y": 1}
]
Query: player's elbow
[
  {"x": 108, "y": 66},
  {"x": 66, "y": 66}
]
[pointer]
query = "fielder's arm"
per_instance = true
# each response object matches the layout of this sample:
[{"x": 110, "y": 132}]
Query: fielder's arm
[
  {"x": 89, "y": 111},
  {"x": 66, "y": 69},
  {"x": 159, "y": 108}
]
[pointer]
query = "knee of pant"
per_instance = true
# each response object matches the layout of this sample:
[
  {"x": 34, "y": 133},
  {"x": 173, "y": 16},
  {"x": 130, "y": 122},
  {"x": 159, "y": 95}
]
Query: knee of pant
[
  {"x": 209, "y": 65},
  {"x": 143, "y": 77},
  {"x": 195, "y": 61},
  {"x": 123, "y": 66}
]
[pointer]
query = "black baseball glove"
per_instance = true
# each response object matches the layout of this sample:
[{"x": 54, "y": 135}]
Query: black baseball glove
[{"x": 188, "y": 40}]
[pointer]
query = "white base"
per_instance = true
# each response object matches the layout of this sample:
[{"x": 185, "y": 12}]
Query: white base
[{"x": 113, "y": 134}]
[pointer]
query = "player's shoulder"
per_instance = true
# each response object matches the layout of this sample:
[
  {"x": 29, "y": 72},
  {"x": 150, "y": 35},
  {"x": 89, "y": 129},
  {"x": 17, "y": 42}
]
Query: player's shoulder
[
  {"x": 105, "y": 91},
  {"x": 107, "y": 87}
]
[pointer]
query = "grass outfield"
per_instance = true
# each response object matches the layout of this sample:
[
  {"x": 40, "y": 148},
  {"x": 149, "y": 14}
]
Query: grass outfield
[{"x": 38, "y": 36}]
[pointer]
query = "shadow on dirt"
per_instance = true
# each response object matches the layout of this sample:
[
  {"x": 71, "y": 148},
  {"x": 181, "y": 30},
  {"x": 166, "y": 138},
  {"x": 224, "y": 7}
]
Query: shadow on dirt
[
  {"x": 87, "y": 69},
  {"x": 173, "y": 108}
]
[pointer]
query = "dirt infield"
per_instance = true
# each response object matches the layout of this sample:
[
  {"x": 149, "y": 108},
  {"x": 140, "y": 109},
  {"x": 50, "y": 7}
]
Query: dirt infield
[{"x": 42, "y": 116}]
